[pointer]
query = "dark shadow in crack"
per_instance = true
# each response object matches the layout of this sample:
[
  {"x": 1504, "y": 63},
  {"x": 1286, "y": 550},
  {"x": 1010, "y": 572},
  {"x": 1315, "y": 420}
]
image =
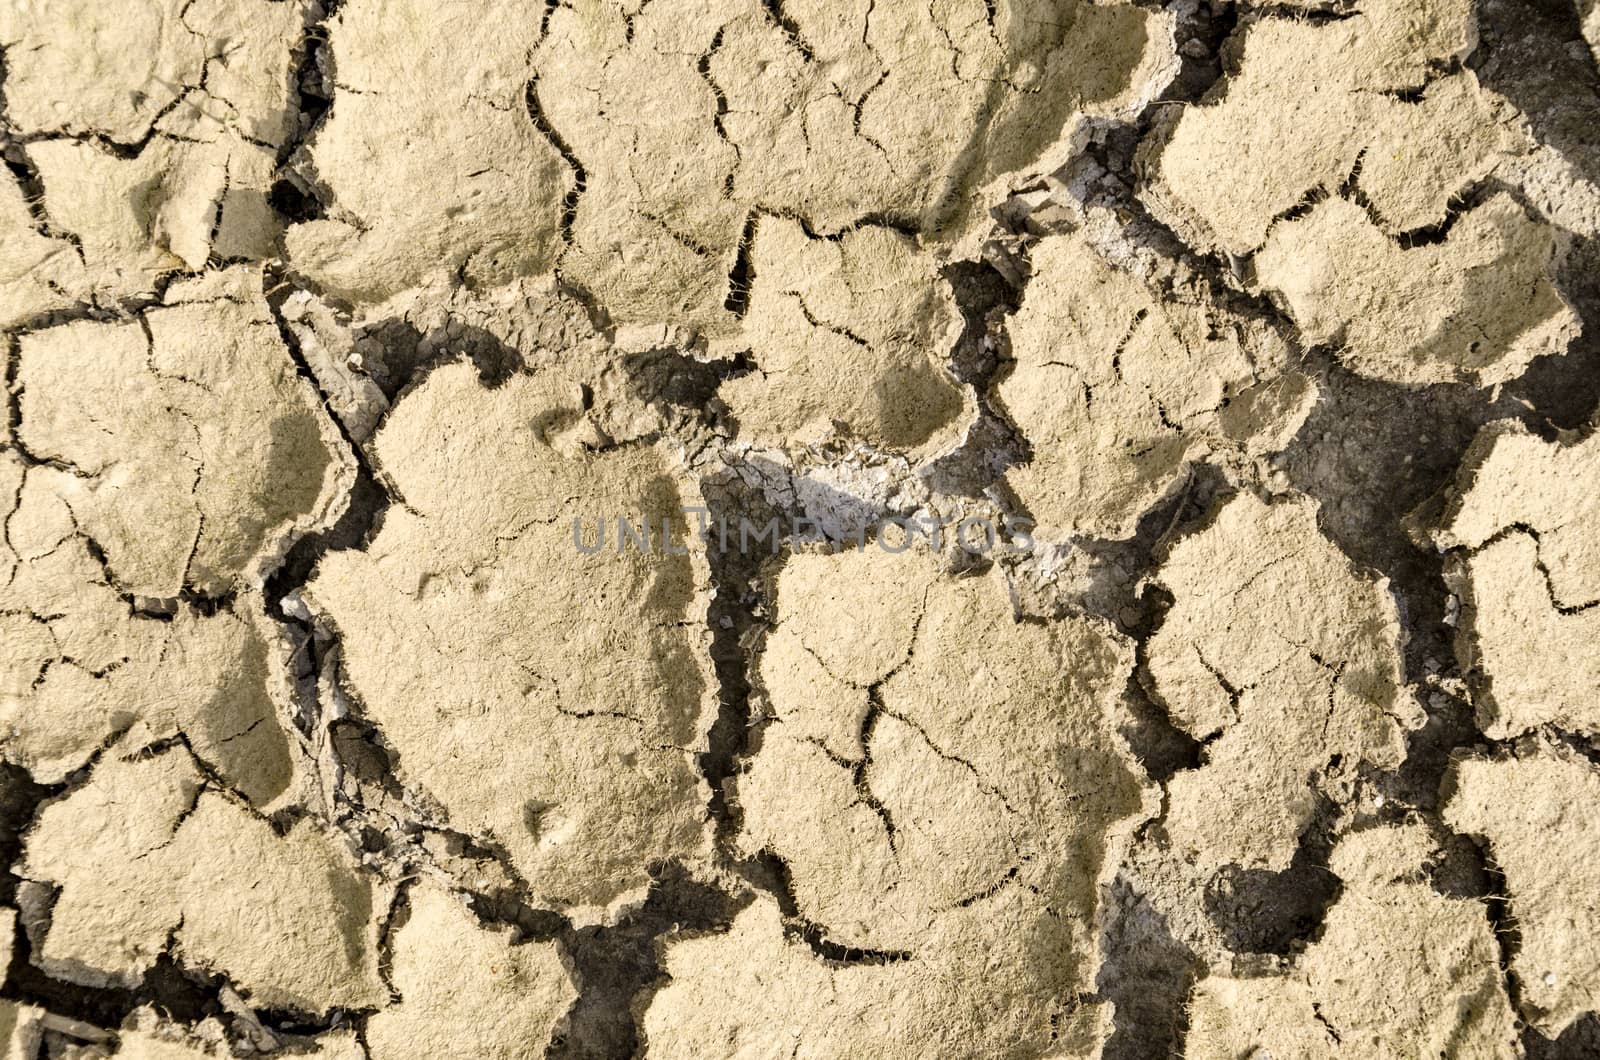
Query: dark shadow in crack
[
  {"x": 985, "y": 300},
  {"x": 684, "y": 387},
  {"x": 406, "y": 355},
  {"x": 1563, "y": 389},
  {"x": 1161, "y": 747},
  {"x": 616, "y": 967},
  {"x": 1257, "y": 911},
  {"x": 1147, "y": 976},
  {"x": 1580, "y": 1041},
  {"x": 1370, "y": 453},
  {"x": 1533, "y": 53}
]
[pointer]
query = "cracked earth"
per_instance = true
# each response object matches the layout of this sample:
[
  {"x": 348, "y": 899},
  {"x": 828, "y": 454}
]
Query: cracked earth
[{"x": 1169, "y": 434}]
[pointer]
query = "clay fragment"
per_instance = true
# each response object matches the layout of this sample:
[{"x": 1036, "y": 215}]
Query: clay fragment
[
  {"x": 162, "y": 466},
  {"x": 549, "y": 699},
  {"x": 1119, "y": 390},
  {"x": 850, "y": 336},
  {"x": 189, "y": 446},
  {"x": 1398, "y": 970},
  {"x": 946, "y": 812},
  {"x": 149, "y": 856},
  {"x": 1357, "y": 148},
  {"x": 1534, "y": 810},
  {"x": 1477, "y": 307},
  {"x": 1525, "y": 521},
  {"x": 154, "y": 130},
  {"x": 1312, "y": 102},
  {"x": 435, "y": 95},
  {"x": 1274, "y": 640},
  {"x": 686, "y": 119},
  {"x": 467, "y": 991}
]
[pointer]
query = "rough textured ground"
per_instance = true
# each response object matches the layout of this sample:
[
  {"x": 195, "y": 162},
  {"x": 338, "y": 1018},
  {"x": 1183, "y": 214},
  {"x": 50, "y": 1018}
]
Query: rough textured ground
[{"x": 1177, "y": 634}]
